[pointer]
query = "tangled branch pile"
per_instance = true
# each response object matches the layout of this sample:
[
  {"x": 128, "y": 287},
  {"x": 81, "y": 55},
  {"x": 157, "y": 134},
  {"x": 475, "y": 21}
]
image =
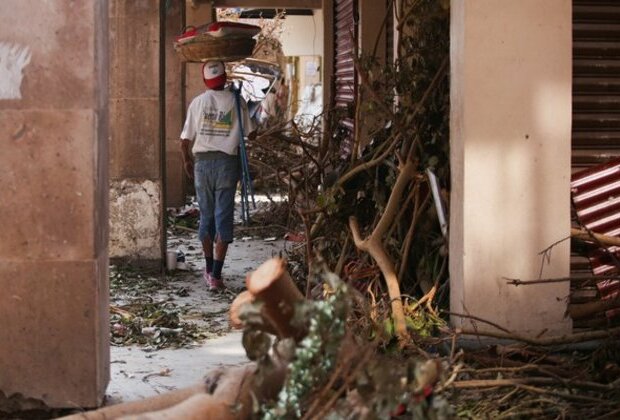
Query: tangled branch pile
[
  {"x": 339, "y": 368},
  {"x": 319, "y": 359},
  {"x": 341, "y": 184},
  {"x": 365, "y": 203}
]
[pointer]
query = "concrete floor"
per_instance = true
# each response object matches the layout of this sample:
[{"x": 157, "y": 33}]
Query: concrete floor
[{"x": 137, "y": 374}]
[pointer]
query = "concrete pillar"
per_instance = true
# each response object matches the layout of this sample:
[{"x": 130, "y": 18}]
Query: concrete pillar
[
  {"x": 54, "y": 344},
  {"x": 176, "y": 182},
  {"x": 136, "y": 231},
  {"x": 196, "y": 14},
  {"x": 510, "y": 160}
]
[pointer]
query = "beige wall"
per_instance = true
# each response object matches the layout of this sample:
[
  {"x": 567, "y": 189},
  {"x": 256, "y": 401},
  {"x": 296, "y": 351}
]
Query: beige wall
[
  {"x": 54, "y": 345},
  {"x": 303, "y": 35},
  {"x": 135, "y": 142},
  {"x": 510, "y": 159}
]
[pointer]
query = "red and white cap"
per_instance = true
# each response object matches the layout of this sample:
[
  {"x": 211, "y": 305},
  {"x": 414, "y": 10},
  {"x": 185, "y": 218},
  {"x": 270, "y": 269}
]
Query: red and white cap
[{"x": 214, "y": 74}]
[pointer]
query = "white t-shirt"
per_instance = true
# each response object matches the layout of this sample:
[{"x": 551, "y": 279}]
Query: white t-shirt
[{"x": 212, "y": 122}]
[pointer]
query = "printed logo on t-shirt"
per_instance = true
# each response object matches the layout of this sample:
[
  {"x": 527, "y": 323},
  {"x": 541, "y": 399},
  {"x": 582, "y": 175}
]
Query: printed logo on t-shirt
[{"x": 216, "y": 123}]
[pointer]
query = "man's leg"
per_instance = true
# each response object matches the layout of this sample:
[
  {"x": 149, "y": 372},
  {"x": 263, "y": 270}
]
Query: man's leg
[
  {"x": 220, "y": 255},
  {"x": 205, "y": 194},
  {"x": 207, "y": 249},
  {"x": 226, "y": 186}
]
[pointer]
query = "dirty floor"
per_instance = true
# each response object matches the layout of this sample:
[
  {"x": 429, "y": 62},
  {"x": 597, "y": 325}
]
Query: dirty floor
[{"x": 139, "y": 370}]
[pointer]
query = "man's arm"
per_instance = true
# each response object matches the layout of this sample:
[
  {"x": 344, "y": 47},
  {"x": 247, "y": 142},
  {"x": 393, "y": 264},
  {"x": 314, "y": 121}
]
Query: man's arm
[
  {"x": 187, "y": 136},
  {"x": 188, "y": 161}
]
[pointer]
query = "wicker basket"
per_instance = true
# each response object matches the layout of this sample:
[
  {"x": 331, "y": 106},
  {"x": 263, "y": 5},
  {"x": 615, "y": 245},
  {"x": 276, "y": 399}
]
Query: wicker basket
[{"x": 204, "y": 48}]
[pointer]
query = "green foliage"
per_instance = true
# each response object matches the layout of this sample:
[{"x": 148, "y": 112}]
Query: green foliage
[{"x": 313, "y": 357}]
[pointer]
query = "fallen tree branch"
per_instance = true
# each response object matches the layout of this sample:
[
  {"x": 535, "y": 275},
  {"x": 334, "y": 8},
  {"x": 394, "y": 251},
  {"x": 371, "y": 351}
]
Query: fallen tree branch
[
  {"x": 499, "y": 327},
  {"x": 585, "y": 310},
  {"x": 518, "y": 282},
  {"x": 367, "y": 165},
  {"x": 538, "y": 380},
  {"x": 406, "y": 245},
  {"x": 584, "y": 235},
  {"x": 185, "y": 228},
  {"x": 158, "y": 402},
  {"x": 549, "y": 341},
  {"x": 563, "y": 394},
  {"x": 373, "y": 244},
  {"x": 228, "y": 393}
]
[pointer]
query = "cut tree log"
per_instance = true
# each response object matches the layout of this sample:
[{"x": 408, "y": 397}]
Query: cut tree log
[
  {"x": 196, "y": 407},
  {"x": 272, "y": 284},
  {"x": 226, "y": 394},
  {"x": 242, "y": 298},
  {"x": 158, "y": 402}
]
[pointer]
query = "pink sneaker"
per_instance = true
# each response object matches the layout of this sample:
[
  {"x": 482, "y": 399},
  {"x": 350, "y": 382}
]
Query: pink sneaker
[{"x": 214, "y": 285}]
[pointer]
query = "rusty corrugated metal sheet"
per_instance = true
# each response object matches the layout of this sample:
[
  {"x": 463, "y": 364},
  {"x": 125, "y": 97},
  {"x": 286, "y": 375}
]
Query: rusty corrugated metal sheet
[
  {"x": 345, "y": 40},
  {"x": 596, "y": 82},
  {"x": 596, "y": 201}
]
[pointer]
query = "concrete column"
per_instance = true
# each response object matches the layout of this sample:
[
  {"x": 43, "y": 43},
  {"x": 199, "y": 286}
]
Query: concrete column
[
  {"x": 196, "y": 15},
  {"x": 176, "y": 183},
  {"x": 135, "y": 153},
  {"x": 510, "y": 158},
  {"x": 54, "y": 344}
]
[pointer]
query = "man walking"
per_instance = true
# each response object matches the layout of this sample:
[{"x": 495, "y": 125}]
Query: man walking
[{"x": 212, "y": 123}]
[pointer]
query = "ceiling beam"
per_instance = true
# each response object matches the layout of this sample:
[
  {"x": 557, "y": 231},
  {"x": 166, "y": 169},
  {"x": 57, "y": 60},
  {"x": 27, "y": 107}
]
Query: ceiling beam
[{"x": 264, "y": 4}]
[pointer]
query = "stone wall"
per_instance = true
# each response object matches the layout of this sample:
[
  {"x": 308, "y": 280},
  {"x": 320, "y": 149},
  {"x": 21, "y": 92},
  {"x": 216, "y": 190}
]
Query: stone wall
[
  {"x": 135, "y": 142},
  {"x": 54, "y": 345}
]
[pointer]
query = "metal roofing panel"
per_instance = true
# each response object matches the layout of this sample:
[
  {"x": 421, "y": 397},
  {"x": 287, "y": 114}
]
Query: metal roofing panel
[{"x": 596, "y": 200}]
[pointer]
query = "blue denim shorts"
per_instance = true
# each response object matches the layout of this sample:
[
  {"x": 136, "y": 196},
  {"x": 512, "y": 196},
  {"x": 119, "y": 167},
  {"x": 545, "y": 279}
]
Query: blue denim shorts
[{"x": 216, "y": 183}]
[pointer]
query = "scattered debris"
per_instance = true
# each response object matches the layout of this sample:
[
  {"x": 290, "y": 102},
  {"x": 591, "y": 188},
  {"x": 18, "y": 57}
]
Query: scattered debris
[{"x": 149, "y": 311}]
